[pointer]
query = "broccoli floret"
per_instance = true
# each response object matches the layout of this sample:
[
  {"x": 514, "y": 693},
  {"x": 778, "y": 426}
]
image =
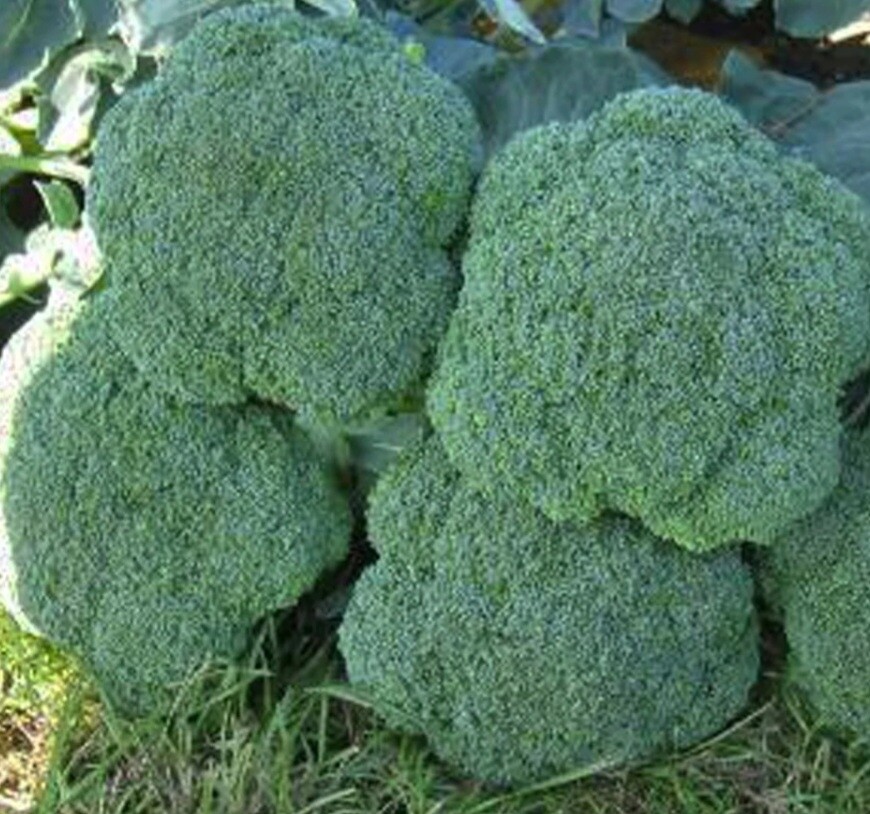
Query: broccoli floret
[
  {"x": 522, "y": 648},
  {"x": 145, "y": 534},
  {"x": 274, "y": 210},
  {"x": 657, "y": 316},
  {"x": 818, "y": 576}
]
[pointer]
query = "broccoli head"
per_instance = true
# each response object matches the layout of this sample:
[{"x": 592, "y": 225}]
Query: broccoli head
[
  {"x": 145, "y": 534},
  {"x": 657, "y": 316},
  {"x": 523, "y": 648},
  {"x": 285, "y": 235},
  {"x": 818, "y": 575}
]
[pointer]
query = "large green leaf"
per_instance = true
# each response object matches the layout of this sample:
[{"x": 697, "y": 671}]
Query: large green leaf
[
  {"x": 582, "y": 17},
  {"x": 30, "y": 32},
  {"x": 830, "y": 128},
  {"x": 742, "y": 6},
  {"x": 585, "y": 17},
  {"x": 814, "y": 18},
  {"x": 800, "y": 18},
  {"x": 152, "y": 26},
  {"x": 60, "y": 203},
  {"x": 98, "y": 17},
  {"x": 561, "y": 82},
  {"x": 33, "y": 31},
  {"x": 684, "y": 10},
  {"x": 772, "y": 101},
  {"x": 453, "y": 57},
  {"x": 634, "y": 11},
  {"x": 72, "y": 88}
]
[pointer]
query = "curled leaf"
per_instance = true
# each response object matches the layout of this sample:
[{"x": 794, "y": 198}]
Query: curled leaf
[
  {"x": 512, "y": 14},
  {"x": 60, "y": 203},
  {"x": 72, "y": 89},
  {"x": 30, "y": 32}
]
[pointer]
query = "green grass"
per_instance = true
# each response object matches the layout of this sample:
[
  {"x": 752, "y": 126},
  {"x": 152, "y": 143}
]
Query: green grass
[
  {"x": 35, "y": 681},
  {"x": 287, "y": 738}
]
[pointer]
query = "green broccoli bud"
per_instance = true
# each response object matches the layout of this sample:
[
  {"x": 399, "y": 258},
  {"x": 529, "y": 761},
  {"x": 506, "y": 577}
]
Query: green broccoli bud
[
  {"x": 145, "y": 534},
  {"x": 658, "y": 313},
  {"x": 818, "y": 575},
  {"x": 274, "y": 210},
  {"x": 522, "y": 648}
]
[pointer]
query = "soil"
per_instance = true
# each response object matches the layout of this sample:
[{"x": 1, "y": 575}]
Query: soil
[{"x": 694, "y": 53}]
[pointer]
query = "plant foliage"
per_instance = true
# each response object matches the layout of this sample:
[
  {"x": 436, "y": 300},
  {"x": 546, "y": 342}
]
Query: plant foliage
[
  {"x": 799, "y": 18},
  {"x": 831, "y": 127}
]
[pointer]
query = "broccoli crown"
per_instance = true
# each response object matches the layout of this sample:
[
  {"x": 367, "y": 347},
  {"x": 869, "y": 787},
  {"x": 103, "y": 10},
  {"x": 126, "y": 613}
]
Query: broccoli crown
[
  {"x": 523, "y": 648},
  {"x": 285, "y": 235},
  {"x": 819, "y": 576},
  {"x": 657, "y": 315},
  {"x": 147, "y": 534}
]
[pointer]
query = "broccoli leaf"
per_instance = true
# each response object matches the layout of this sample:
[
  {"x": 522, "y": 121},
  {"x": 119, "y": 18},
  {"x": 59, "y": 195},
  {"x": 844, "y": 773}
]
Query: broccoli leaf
[
  {"x": 684, "y": 10},
  {"x": 811, "y": 18},
  {"x": 453, "y": 57},
  {"x": 33, "y": 31},
  {"x": 770, "y": 100},
  {"x": 582, "y": 17},
  {"x": 740, "y": 6},
  {"x": 152, "y": 26},
  {"x": 830, "y": 128},
  {"x": 97, "y": 17},
  {"x": 377, "y": 445},
  {"x": 562, "y": 82},
  {"x": 30, "y": 32},
  {"x": 54, "y": 167},
  {"x": 72, "y": 89},
  {"x": 512, "y": 14},
  {"x": 800, "y": 18},
  {"x": 60, "y": 203},
  {"x": 634, "y": 11}
]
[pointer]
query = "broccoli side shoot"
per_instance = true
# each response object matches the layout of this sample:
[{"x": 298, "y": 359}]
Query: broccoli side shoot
[
  {"x": 275, "y": 209},
  {"x": 819, "y": 576},
  {"x": 657, "y": 316},
  {"x": 522, "y": 648},
  {"x": 145, "y": 534}
]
